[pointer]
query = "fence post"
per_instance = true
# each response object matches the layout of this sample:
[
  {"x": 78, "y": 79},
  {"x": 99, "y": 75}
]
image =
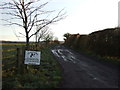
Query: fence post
[
  {"x": 17, "y": 62},
  {"x": 19, "y": 58},
  {"x": 21, "y": 68},
  {"x": 23, "y": 58}
]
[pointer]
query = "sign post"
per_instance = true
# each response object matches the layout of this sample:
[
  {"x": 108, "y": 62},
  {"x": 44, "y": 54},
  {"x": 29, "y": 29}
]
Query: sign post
[{"x": 32, "y": 57}]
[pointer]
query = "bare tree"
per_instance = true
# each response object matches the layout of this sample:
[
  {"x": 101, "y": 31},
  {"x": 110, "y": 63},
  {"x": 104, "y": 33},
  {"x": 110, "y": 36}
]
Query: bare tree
[
  {"x": 25, "y": 12},
  {"x": 42, "y": 33},
  {"x": 48, "y": 37}
]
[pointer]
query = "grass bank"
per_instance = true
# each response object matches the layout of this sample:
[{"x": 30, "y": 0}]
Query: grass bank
[
  {"x": 45, "y": 75},
  {"x": 106, "y": 59}
]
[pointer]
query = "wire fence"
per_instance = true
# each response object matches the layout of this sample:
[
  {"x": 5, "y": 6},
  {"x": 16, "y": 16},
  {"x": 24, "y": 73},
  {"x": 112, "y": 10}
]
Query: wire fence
[
  {"x": 9, "y": 58},
  {"x": 13, "y": 58}
]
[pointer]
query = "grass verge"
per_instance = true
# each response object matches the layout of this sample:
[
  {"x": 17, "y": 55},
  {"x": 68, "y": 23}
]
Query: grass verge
[
  {"x": 45, "y": 75},
  {"x": 107, "y": 59}
]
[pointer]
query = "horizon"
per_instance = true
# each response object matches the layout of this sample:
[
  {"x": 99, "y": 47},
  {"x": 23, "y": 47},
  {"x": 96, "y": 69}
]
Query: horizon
[
  {"x": 63, "y": 37},
  {"x": 84, "y": 17}
]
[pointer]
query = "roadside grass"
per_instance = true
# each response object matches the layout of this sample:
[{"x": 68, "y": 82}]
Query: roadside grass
[
  {"x": 45, "y": 75},
  {"x": 110, "y": 59}
]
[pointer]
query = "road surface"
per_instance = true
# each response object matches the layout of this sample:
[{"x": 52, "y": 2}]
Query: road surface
[{"x": 80, "y": 71}]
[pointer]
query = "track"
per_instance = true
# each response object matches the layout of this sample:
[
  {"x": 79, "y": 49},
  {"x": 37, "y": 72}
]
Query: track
[{"x": 80, "y": 71}]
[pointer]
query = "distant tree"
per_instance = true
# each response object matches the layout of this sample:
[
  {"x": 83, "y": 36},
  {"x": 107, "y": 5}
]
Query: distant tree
[
  {"x": 48, "y": 37},
  {"x": 27, "y": 14},
  {"x": 42, "y": 33},
  {"x": 66, "y": 35}
]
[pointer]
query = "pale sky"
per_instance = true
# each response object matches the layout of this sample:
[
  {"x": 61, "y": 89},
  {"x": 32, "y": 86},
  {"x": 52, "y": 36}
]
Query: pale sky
[{"x": 84, "y": 17}]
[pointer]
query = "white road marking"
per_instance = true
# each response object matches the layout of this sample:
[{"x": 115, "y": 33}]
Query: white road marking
[
  {"x": 59, "y": 51},
  {"x": 64, "y": 58},
  {"x": 55, "y": 53}
]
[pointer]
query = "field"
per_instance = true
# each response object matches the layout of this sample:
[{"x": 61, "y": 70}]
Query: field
[{"x": 45, "y": 75}]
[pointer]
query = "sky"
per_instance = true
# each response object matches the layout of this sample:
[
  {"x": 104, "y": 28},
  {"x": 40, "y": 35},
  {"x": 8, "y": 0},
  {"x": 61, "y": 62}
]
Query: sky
[{"x": 83, "y": 17}]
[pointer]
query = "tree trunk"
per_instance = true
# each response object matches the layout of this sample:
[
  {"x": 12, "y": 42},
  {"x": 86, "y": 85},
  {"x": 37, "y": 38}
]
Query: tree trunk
[{"x": 27, "y": 41}]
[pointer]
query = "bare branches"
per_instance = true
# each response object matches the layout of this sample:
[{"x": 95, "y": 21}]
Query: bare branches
[
  {"x": 11, "y": 23},
  {"x": 9, "y": 5},
  {"x": 59, "y": 16},
  {"x": 37, "y": 8},
  {"x": 43, "y": 32},
  {"x": 29, "y": 16},
  {"x": 33, "y": 23},
  {"x": 48, "y": 36},
  {"x": 12, "y": 14},
  {"x": 22, "y": 34}
]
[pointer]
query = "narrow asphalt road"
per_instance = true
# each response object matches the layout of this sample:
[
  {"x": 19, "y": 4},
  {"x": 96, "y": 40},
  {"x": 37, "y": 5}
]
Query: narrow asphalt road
[{"x": 80, "y": 71}]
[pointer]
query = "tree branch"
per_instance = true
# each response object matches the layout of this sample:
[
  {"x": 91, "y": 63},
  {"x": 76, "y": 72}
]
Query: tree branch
[
  {"x": 22, "y": 34},
  {"x": 26, "y": 11},
  {"x": 55, "y": 19},
  {"x": 11, "y": 23},
  {"x": 12, "y": 14},
  {"x": 37, "y": 8}
]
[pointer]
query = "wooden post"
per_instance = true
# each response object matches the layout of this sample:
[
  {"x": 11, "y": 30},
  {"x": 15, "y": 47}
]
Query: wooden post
[
  {"x": 21, "y": 67},
  {"x": 23, "y": 58},
  {"x": 17, "y": 63},
  {"x": 19, "y": 56}
]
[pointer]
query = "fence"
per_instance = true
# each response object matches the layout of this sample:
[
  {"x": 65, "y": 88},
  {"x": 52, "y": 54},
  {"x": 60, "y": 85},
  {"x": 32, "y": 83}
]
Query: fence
[
  {"x": 13, "y": 58},
  {"x": 9, "y": 58}
]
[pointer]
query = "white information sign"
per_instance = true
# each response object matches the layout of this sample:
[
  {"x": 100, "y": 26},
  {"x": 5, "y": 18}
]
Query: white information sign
[{"x": 32, "y": 57}]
